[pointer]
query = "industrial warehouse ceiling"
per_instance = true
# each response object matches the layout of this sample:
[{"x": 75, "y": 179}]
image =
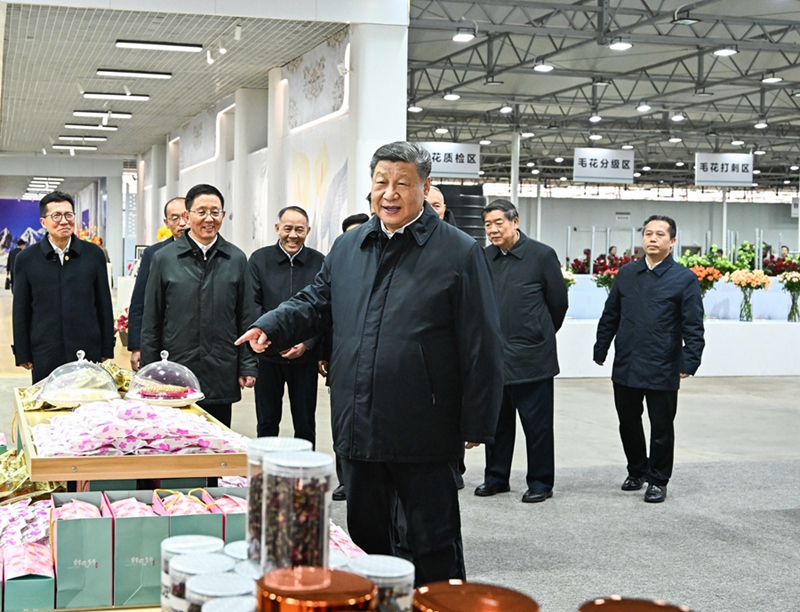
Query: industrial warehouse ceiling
[
  {"x": 670, "y": 67},
  {"x": 51, "y": 56}
]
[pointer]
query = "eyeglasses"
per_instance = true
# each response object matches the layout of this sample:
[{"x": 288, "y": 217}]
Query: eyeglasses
[
  {"x": 57, "y": 216},
  {"x": 216, "y": 213}
]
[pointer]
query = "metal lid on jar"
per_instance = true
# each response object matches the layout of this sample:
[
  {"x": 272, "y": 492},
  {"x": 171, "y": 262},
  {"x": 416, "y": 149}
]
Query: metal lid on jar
[
  {"x": 460, "y": 596},
  {"x": 231, "y": 604},
  {"x": 383, "y": 570},
  {"x": 201, "y": 588},
  {"x": 615, "y": 603},
  {"x": 249, "y": 569},
  {"x": 317, "y": 588},
  {"x": 187, "y": 544},
  {"x": 236, "y": 550},
  {"x": 185, "y": 566},
  {"x": 259, "y": 447},
  {"x": 296, "y": 464}
]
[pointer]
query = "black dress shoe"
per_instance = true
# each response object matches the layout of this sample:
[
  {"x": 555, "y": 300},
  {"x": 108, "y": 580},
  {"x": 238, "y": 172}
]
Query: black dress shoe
[
  {"x": 534, "y": 497},
  {"x": 488, "y": 489},
  {"x": 655, "y": 494},
  {"x": 339, "y": 494},
  {"x": 633, "y": 483}
]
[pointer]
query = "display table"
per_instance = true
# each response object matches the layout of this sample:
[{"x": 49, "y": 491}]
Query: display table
[
  {"x": 733, "y": 348},
  {"x": 125, "y": 466}
]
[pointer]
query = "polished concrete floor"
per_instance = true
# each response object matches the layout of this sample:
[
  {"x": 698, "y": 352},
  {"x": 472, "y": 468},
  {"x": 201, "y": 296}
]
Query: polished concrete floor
[{"x": 727, "y": 538}]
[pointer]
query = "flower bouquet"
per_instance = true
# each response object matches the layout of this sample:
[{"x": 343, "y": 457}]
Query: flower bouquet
[
  {"x": 569, "y": 278},
  {"x": 605, "y": 278},
  {"x": 791, "y": 283},
  {"x": 748, "y": 281},
  {"x": 121, "y": 327},
  {"x": 707, "y": 276}
]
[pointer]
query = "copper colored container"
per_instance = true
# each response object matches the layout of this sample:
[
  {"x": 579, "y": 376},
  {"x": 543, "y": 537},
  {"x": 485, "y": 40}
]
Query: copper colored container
[
  {"x": 459, "y": 596},
  {"x": 315, "y": 589},
  {"x": 615, "y": 603}
]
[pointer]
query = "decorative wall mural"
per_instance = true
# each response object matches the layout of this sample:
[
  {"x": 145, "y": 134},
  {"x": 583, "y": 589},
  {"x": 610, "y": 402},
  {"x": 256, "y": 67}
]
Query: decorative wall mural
[
  {"x": 316, "y": 87},
  {"x": 18, "y": 219},
  {"x": 198, "y": 139}
]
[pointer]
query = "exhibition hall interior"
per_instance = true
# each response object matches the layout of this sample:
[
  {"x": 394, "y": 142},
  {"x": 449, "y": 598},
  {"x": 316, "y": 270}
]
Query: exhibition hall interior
[{"x": 589, "y": 116}]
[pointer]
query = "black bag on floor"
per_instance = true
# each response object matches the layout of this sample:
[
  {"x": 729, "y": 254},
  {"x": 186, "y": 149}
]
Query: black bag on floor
[{"x": 8, "y": 283}]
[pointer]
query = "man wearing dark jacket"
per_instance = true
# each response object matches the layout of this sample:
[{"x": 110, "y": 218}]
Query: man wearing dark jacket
[
  {"x": 656, "y": 313},
  {"x": 532, "y": 298},
  {"x": 198, "y": 301},
  {"x": 278, "y": 272},
  {"x": 176, "y": 219},
  {"x": 62, "y": 301},
  {"x": 416, "y": 361},
  {"x": 12, "y": 257}
]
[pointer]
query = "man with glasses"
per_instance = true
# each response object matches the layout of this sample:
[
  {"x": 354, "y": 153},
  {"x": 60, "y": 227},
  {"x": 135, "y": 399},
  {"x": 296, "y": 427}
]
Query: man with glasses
[
  {"x": 176, "y": 219},
  {"x": 198, "y": 300},
  {"x": 62, "y": 301}
]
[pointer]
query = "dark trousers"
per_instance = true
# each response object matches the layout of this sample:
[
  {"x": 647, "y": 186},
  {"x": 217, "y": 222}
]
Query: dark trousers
[
  {"x": 534, "y": 402},
  {"x": 428, "y": 494},
  {"x": 221, "y": 412},
  {"x": 301, "y": 378},
  {"x": 661, "y": 408}
]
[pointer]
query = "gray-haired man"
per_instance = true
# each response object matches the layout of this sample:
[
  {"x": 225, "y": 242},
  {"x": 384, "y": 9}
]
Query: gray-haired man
[{"x": 416, "y": 361}]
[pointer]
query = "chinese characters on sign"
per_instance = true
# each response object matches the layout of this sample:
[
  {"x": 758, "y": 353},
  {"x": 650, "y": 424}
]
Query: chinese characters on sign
[
  {"x": 592, "y": 165},
  {"x": 723, "y": 169},
  {"x": 454, "y": 159}
]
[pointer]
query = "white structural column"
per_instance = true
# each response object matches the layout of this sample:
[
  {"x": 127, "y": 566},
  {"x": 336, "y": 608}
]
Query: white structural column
[
  {"x": 114, "y": 226},
  {"x": 250, "y": 134},
  {"x": 277, "y": 165},
  {"x": 725, "y": 222},
  {"x": 515, "y": 168},
  {"x": 378, "y": 65}
]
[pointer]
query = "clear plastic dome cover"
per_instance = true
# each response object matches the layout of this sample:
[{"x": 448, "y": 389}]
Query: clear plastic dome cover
[
  {"x": 165, "y": 383},
  {"x": 78, "y": 382}
]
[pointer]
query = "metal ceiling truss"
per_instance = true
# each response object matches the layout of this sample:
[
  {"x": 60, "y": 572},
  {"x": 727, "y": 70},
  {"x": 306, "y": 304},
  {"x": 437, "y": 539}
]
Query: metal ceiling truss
[{"x": 678, "y": 74}]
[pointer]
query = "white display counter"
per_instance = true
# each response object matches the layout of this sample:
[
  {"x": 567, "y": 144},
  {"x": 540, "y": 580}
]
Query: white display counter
[
  {"x": 733, "y": 348},
  {"x": 124, "y": 291}
]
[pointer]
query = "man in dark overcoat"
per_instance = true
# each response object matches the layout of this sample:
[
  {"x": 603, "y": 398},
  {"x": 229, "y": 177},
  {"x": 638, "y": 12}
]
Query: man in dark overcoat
[
  {"x": 416, "y": 363},
  {"x": 176, "y": 219},
  {"x": 532, "y": 298},
  {"x": 198, "y": 300},
  {"x": 278, "y": 272},
  {"x": 12, "y": 257},
  {"x": 62, "y": 301},
  {"x": 655, "y": 310}
]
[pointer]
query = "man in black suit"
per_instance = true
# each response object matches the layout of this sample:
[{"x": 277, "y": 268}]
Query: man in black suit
[
  {"x": 62, "y": 301},
  {"x": 12, "y": 256},
  {"x": 532, "y": 299},
  {"x": 176, "y": 218}
]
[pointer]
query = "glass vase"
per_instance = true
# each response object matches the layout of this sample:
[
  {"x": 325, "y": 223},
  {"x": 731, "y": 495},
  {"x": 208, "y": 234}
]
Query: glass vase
[
  {"x": 794, "y": 311},
  {"x": 746, "y": 307}
]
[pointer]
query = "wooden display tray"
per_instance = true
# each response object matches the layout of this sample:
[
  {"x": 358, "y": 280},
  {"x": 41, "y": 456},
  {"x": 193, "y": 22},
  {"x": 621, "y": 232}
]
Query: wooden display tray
[{"x": 125, "y": 466}]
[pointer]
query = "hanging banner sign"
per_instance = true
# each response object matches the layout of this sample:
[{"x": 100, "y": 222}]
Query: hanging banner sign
[
  {"x": 723, "y": 169},
  {"x": 593, "y": 165},
  {"x": 454, "y": 159}
]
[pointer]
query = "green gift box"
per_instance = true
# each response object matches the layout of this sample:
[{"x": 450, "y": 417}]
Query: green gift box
[
  {"x": 137, "y": 552},
  {"x": 235, "y": 524},
  {"x": 29, "y": 593},
  {"x": 82, "y": 550},
  {"x": 192, "y": 524}
]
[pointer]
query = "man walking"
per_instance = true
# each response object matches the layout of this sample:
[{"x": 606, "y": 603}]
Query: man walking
[
  {"x": 415, "y": 363},
  {"x": 176, "y": 220},
  {"x": 62, "y": 301},
  {"x": 532, "y": 298},
  {"x": 278, "y": 272},
  {"x": 656, "y": 313},
  {"x": 12, "y": 257},
  {"x": 198, "y": 300}
]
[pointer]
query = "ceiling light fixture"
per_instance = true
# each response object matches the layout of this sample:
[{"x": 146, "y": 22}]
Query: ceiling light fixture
[
  {"x": 595, "y": 118},
  {"x": 109, "y": 96},
  {"x": 620, "y": 45},
  {"x": 481, "y": 173},
  {"x": 595, "y": 137},
  {"x": 558, "y": 160},
  {"x": 637, "y": 174},
  {"x": 527, "y": 134},
  {"x": 531, "y": 164},
  {"x": 535, "y": 171},
  {"x": 158, "y": 46},
  {"x": 736, "y": 142},
  {"x": 726, "y": 51},
  {"x": 563, "y": 178},
  {"x": 209, "y": 59},
  {"x": 679, "y": 116},
  {"x": 643, "y": 106},
  {"x": 675, "y": 139},
  {"x": 75, "y": 147},
  {"x": 441, "y": 130},
  {"x": 85, "y": 126},
  {"x": 464, "y": 34},
  {"x": 490, "y": 80},
  {"x": 101, "y": 114},
  {"x": 701, "y": 92},
  {"x": 451, "y": 96},
  {"x": 506, "y": 108},
  {"x": 761, "y": 124},
  {"x": 600, "y": 82},
  {"x": 756, "y": 171},
  {"x": 414, "y": 108},
  {"x": 543, "y": 66},
  {"x": 222, "y": 48},
  {"x": 485, "y": 141},
  {"x": 771, "y": 78},
  {"x": 759, "y": 152},
  {"x": 627, "y": 147},
  {"x": 237, "y": 32},
  {"x": 133, "y": 74},
  {"x": 680, "y": 164},
  {"x": 83, "y": 138},
  {"x": 681, "y": 17},
  {"x": 794, "y": 167}
]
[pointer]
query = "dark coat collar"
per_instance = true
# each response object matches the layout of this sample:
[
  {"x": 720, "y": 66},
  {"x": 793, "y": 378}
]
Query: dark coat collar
[
  {"x": 518, "y": 250},
  {"x": 660, "y": 269},
  {"x": 76, "y": 247},
  {"x": 186, "y": 246},
  {"x": 281, "y": 257},
  {"x": 420, "y": 230}
]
